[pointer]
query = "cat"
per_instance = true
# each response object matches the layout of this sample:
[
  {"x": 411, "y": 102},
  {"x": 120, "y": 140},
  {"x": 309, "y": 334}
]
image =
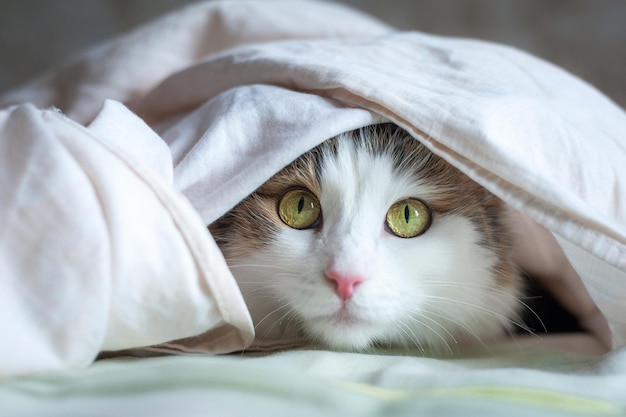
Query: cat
[{"x": 371, "y": 239}]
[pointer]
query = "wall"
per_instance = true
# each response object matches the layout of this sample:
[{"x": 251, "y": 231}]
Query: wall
[{"x": 584, "y": 36}]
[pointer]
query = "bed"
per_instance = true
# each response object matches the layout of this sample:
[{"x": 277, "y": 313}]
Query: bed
[
  {"x": 313, "y": 382},
  {"x": 117, "y": 301}
]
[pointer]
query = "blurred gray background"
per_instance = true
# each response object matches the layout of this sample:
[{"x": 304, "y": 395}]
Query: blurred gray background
[{"x": 586, "y": 37}]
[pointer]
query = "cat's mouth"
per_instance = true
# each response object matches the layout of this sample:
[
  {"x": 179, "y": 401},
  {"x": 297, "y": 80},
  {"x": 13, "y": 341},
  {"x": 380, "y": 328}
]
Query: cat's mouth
[
  {"x": 342, "y": 318},
  {"x": 343, "y": 330}
]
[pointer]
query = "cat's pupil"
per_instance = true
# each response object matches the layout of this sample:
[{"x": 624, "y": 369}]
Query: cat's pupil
[
  {"x": 300, "y": 205},
  {"x": 406, "y": 214}
]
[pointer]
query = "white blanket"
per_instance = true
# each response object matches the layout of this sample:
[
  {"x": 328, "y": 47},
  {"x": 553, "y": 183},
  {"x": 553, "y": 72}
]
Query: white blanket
[{"x": 99, "y": 250}]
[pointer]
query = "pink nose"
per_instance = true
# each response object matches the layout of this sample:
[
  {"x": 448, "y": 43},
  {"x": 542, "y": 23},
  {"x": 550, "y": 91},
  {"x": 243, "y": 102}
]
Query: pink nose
[{"x": 345, "y": 284}]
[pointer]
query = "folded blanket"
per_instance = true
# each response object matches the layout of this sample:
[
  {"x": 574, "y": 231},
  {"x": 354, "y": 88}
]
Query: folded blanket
[{"x": 101, "y": 251}]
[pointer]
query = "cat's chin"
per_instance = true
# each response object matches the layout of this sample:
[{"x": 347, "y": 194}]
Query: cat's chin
[{"x": 343, "y": 332}]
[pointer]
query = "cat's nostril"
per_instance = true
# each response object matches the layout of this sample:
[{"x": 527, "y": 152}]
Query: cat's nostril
[{"x": 345, "y": 284}]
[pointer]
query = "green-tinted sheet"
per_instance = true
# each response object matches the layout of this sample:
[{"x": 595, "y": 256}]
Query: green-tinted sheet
[{"x": 310, "y": 383}]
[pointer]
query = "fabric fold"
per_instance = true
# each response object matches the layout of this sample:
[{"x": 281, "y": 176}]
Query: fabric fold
[
  {"x": 97, "y": 251},
  {"x": 544, "y": 141}
]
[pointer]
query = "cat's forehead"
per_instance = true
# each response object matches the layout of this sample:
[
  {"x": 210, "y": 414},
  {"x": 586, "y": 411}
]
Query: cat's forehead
[
  {"x": 384, "y": 160},
  {"x": 354, "y": 171}
]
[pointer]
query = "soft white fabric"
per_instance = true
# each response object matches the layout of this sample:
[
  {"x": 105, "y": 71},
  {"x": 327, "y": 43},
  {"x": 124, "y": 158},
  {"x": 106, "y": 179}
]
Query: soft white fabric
[
  {"x": 97, "y": 251},
  {"x": 239, "y": 89}
]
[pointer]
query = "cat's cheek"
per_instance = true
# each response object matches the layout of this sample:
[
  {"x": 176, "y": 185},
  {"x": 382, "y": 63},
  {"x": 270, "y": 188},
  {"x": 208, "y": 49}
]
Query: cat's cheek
[
  {"x": 295, "y": 246},
  {"x": 465, "y": 298},
  {"x": 445, "y": 285}
]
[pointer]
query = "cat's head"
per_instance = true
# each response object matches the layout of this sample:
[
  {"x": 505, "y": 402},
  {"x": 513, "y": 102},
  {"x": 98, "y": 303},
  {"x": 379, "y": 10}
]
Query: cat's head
[{"x": 371, "y": 238}]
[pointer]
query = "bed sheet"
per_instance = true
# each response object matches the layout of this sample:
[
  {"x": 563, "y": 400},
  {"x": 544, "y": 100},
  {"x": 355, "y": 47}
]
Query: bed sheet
[{"x": 509, "y": 380}]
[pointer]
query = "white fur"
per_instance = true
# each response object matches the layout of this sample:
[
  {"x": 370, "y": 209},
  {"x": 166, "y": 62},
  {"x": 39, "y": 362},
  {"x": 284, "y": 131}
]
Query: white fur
[{"x": 434, "y": 289}]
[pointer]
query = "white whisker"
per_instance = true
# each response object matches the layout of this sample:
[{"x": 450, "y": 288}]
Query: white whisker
[
  {"x": 411, "y": 336},
  {"x": 439, "y": 335},
  {"x": 482, "y": 308},
  {"x": 259, "y": 265}
]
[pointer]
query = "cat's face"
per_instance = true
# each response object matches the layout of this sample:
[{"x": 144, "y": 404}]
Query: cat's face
[{"x": 370, "y": 238}]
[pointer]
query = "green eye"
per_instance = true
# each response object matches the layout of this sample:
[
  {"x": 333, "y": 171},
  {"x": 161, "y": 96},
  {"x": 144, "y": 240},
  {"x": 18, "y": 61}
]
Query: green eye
[
  {"x": 408, "y": 218},
  {"x": 299, "y": 209}
]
